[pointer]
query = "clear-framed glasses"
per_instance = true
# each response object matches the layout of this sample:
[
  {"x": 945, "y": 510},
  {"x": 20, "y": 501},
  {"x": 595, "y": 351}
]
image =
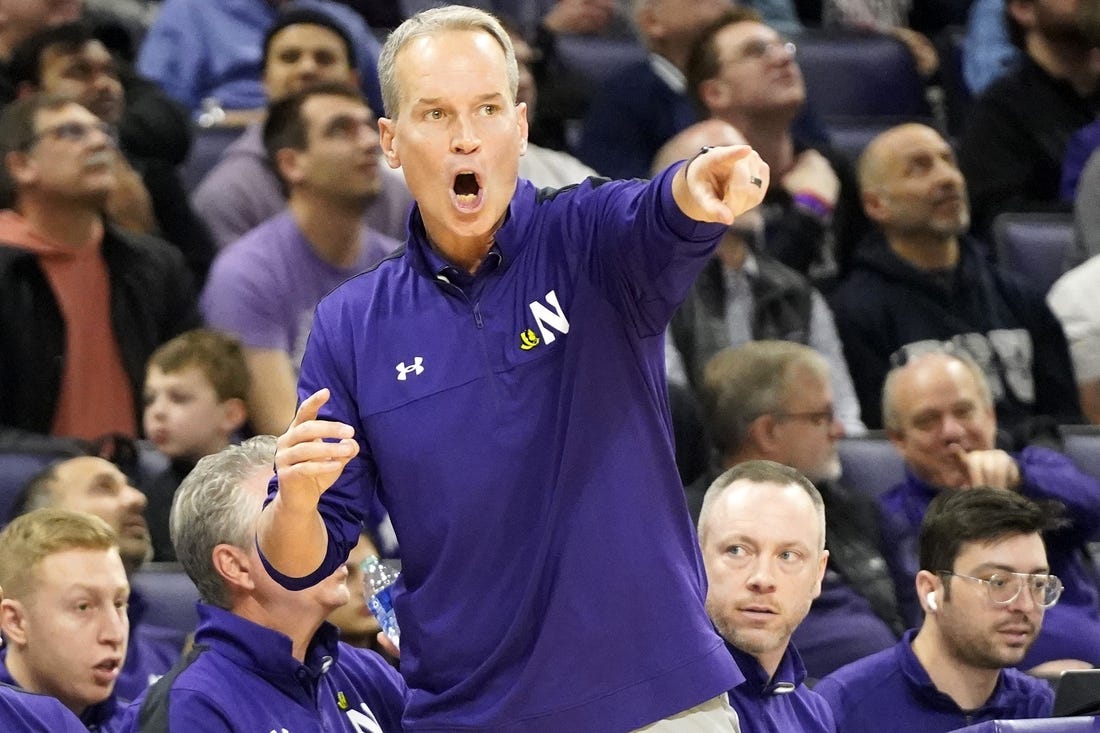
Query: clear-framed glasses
[
  {"x": 758, "y": 49},
  {"x": 76, "y": 132},
  {"x": 1004, "y": 587},
  {"x": 818, "y": 418}
]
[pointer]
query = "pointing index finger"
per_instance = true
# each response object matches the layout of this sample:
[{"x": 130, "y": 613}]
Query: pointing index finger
[{"x": 310, "y": 407}]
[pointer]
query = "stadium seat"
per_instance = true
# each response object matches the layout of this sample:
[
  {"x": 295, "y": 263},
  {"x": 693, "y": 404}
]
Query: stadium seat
[
  {"x": 22, "y": 457},
  {"x": 595, "y": 58},
  {"x": 206, "y": 148},
  {"x": 854, "y": 76},
  {"x": 1082, "y": 445},
  {"x": 169, "y": 596},
  {"x": 1035, "y": 245},
  {"x": 870, "y": 463}
]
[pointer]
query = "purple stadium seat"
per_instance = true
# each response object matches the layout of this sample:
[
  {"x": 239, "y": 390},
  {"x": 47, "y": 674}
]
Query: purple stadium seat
[
  {"x": 871, "y": 464},
  {"x": 860, "y": 75},
  {"x": 1035, "y": 245},
  {"x": 169, "y": 595}
]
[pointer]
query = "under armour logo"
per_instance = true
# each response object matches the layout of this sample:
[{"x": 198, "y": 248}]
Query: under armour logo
[{"x": 417, "y": 367}]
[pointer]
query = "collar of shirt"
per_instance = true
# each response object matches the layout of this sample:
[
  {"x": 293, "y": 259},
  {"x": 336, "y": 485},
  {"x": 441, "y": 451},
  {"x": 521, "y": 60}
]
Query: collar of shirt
[
  {"x": 925, "y": 690},
  {"x": 265, "y": 651},
  {"x": 442, "y": 269},
  {"x": 790, "y": 673},
  {"x": 506, "y": 242},
  {"x": 93, "y": 716}
]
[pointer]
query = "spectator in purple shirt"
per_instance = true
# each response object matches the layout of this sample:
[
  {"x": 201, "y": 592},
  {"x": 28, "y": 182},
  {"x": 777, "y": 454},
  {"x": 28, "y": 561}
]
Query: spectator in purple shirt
[
  {"x": 323, "y": 142},
  {"x": 984, "y": 586},
  {"x": 938, "y": 409},
  {"x": 96, "y": 486},
  {"x": 64, "y": 617},
  {"x": 762, "y": 533}
]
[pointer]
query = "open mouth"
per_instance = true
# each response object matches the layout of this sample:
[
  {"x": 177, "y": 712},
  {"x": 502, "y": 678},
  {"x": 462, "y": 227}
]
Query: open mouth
[
  {"x": 467, "y": 191},
  {"x": 107, "y": 670}
]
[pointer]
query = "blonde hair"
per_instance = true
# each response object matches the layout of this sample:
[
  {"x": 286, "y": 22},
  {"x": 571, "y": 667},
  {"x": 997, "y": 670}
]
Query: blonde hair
[
  {"x": 429, "y": 23},
  {"x": 31, "y": 538}
]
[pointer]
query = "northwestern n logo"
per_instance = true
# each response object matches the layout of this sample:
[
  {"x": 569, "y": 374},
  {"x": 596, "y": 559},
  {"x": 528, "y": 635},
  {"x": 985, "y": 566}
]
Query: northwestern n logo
[{"x": 548, "y": 320}]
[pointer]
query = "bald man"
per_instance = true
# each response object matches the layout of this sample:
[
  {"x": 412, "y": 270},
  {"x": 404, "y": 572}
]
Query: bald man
[
  {"x": 744, "y": 294},
  {"x": 920, "y": 282},
  {"x": 938, "y": 411}
]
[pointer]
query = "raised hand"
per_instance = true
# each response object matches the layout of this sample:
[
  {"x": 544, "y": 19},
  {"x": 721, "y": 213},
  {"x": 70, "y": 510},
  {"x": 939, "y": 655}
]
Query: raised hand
[
  {"x": 312, "y": 453},
  {"x": 989, "y": 468},
  {"x": 721, "y": 183}
]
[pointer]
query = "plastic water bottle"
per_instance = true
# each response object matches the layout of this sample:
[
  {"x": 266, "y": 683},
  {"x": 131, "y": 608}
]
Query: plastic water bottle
[{"x": 378, "y": 579}]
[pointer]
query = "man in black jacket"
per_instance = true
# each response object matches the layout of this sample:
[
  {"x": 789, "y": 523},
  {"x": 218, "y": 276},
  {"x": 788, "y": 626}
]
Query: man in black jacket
[
  {"x": 920, "y": 282},
  {"x": 82, "y": 305},
  {"x": 149, "y": 196},
  {"x": 771, "y": 400}
]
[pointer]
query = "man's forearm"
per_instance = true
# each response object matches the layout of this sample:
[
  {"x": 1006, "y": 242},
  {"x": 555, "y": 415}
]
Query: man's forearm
[{"x": 293, "y": 540}]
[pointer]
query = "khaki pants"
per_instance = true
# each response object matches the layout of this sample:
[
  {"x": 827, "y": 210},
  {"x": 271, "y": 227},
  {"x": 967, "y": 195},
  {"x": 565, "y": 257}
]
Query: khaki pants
[{"x": 713, "y": 716}]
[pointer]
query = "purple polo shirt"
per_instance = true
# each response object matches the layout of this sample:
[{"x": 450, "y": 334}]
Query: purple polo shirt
[{"x": 891, "y": 690}]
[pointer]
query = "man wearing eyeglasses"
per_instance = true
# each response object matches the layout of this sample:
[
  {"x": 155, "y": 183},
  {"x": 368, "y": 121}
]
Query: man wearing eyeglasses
[
  {"x": 83, "y": 304},
  {"x": 939, "y": 415},
  {"x": 148, "y": 196},
  {"x": 773, "y": 400},
  {"x": 743, "y": 72},
  {"x": 984, "y": 585}
]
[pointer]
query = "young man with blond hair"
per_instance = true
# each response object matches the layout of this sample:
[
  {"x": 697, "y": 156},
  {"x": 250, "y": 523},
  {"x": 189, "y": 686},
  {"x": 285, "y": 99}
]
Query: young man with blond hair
[{"x": 64, "y": 615}]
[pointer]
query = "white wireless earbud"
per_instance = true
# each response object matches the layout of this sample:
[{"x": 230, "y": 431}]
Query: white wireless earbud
[{"x": 931, "y": 598}]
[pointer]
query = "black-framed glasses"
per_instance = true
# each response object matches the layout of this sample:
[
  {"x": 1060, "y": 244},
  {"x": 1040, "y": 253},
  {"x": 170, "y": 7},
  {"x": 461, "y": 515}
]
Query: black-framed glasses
[
  {"x": 817, "y": 418},
  {"x": 1004, "y": 587},
  {"x": 756, "y": 50},
  {"x": 76, "y": 132}
]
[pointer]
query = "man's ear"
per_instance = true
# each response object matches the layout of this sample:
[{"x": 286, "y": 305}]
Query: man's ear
[
  {"x": 20, "y": 167},
  {"x": 234, "y": 565},
  {"x": 896, "y": 438},
  {"x": 25, "y": 89},
  {"x": 873, "y": 205},
  {"x": 762, "y": 434},
  {"x": 288, "y": 164},
  {"x": 524, "y": 129},
  {"x": 928, "y": 587},
  {"x": 714, "y": 93},
  {"x": 1022, "y": 11},
  {"x": 387, "y": 139},
  {"x": 821, "y": 572},
  {"x": 13, "y": 621},
  {"x": 234, "y": 414}
]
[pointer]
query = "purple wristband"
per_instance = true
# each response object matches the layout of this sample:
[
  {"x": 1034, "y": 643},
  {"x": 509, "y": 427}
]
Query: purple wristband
[{"x": 812, "y": 204}]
